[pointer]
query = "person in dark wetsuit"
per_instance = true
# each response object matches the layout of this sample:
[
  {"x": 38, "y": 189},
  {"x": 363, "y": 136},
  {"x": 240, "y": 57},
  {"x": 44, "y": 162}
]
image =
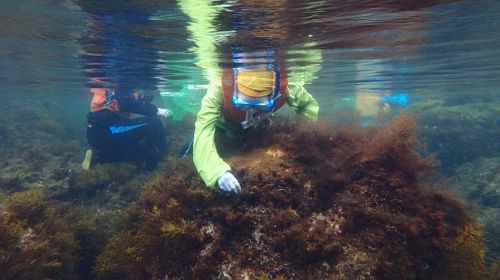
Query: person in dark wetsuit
[
  {"x": 116, "y": 61},
  {"x": 116, "y": 137}
]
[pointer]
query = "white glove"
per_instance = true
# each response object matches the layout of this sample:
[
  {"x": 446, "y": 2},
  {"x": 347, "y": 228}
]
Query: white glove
[
  {"x": 166, "y": 113},
  {"x": 227, "y": 182}
]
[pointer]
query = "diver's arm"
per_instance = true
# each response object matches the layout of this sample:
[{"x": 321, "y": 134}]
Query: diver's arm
[
  {"x": 298, "y": 75},
  {"x": 303, "y": 102},
  {"x": 206, "y": 159}
]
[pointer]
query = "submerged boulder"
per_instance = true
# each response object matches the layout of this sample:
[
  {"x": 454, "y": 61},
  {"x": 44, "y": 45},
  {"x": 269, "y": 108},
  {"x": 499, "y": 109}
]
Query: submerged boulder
[{"x": 323, "y": 203}]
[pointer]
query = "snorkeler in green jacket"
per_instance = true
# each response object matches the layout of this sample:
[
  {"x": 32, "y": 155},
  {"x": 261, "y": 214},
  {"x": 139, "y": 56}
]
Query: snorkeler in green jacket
[{"x": 245, "y": 96}]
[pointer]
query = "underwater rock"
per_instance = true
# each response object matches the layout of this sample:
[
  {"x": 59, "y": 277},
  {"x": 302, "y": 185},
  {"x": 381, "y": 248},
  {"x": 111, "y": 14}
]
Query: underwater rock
[
  {"x": 479, "y": 182},
  {"x": 38, "y": 139},
  {"x": 459, "y": 132},
  {"x": 344, "y": 203},
  {"x": 45, "y": 239},
  {"x": 11, "y": 184},
  {"x": 489, "y": 218}
]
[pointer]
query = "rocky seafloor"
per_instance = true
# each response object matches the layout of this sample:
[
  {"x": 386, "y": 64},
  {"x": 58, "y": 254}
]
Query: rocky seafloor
[
  {"x": 325, "y": 203},
  {"x": 462, "y": 132}
]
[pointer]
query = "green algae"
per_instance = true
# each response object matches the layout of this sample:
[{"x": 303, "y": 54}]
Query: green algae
[
  {"x": 43, "y": 239},
  {"x": 476, "y": 110}
]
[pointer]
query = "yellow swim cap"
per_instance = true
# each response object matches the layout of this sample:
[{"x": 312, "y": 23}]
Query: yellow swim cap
[{"x": 256, "y": 82}]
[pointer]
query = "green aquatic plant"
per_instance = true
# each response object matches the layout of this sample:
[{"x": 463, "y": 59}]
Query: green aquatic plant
[
  {"x": 119, "y": 252},
  {"x": 99, "y": 178},
  {"x": 26, "y": 206},
  {"x": 46, "y": 239},
  {"x": 170, "y": 229}
]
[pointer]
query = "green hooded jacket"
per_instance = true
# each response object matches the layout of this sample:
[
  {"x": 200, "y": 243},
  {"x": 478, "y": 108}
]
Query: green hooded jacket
[
  {"x": 202, "y": 28},
  {"x": 209, "y": 164}
]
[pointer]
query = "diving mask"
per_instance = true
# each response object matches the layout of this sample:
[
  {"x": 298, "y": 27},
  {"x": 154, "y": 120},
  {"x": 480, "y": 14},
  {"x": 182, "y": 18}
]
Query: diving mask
[{"x": 256, "y": 88}]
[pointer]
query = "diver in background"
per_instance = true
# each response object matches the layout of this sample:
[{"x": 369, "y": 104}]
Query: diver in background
[
  {"x": 375, "y": 107},
  {"x": 378, "y": 99},
  {"x": 116, "y": 137},
  {"x": 116, "y": 61}
]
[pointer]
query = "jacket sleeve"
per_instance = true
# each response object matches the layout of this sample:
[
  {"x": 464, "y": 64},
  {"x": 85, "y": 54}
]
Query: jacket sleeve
[
  {"x": 303, "y": 102},
  {"x": 206, "y": 159}
]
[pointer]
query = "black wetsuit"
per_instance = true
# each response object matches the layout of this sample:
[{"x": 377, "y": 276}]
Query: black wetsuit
[{"x": 114, "y": 138}]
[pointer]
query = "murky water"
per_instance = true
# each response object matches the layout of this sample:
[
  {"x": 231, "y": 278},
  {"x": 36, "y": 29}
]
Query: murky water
[{"x": 442, "y": 55}]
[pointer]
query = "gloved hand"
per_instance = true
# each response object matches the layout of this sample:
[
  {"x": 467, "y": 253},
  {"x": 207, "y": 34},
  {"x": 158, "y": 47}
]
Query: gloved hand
[
  {"x": 227, "y": 182},
  {"x": 166, "y": 113}
]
